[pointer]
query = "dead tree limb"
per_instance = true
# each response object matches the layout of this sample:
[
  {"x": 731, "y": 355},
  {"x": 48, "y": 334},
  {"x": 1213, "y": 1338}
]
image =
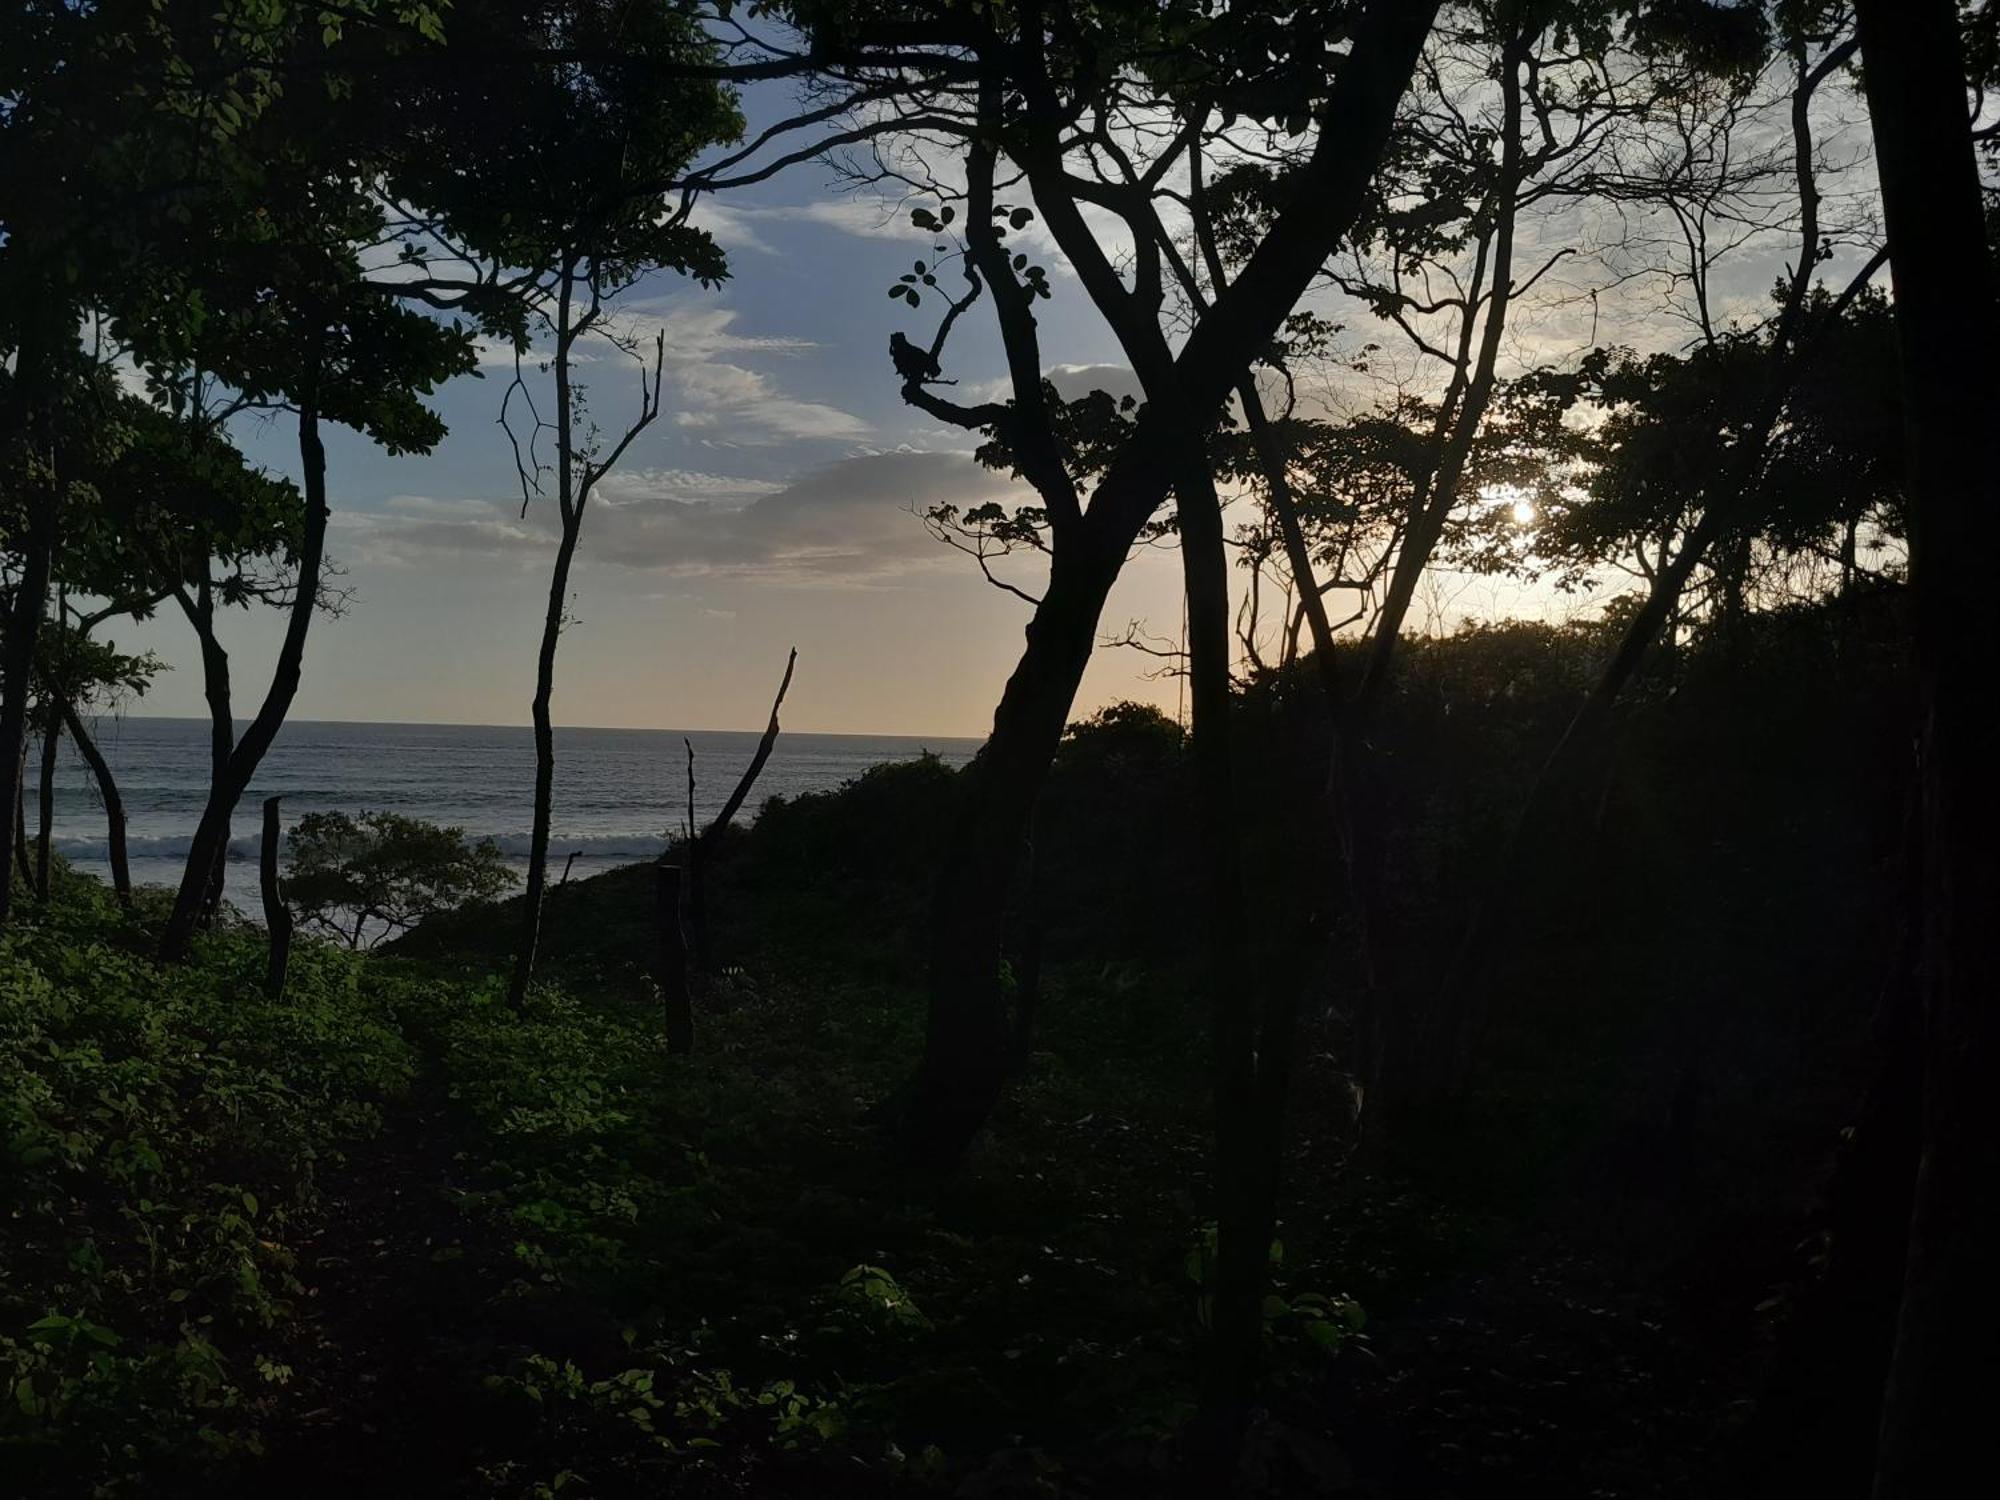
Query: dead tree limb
[
  {"x": 742, "y": 792},
  {"x": 698, "y": 842}
]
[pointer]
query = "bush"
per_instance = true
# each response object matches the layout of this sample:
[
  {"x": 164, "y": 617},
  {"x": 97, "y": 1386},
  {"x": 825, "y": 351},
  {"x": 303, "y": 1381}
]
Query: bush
[
  {"x": 160, "y": 1132},
  {"x": 361, "y": 879}
]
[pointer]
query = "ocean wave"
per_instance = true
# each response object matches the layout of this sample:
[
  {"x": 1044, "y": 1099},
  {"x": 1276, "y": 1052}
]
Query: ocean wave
[
  {"x": 595, "y": 846},
  {"x": 515, "y": 846}
]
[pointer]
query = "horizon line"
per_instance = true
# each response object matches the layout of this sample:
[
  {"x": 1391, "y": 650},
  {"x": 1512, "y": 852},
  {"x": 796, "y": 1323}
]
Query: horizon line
[{"x": 851, "y": 734}]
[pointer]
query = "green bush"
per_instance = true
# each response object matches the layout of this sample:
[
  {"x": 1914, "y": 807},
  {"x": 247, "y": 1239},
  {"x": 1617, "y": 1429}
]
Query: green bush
[{"x": 160, "y": 1133}]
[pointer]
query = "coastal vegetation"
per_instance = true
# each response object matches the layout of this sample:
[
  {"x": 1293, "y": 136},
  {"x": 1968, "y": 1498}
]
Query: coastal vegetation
[{"x": 1530, "y": 1055}]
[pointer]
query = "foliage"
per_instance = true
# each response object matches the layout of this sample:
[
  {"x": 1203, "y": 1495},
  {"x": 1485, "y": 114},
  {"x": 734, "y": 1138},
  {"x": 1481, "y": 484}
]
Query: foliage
[
  {"x": 378, "y": 874},
  {"x": 165, "y": 1132}
]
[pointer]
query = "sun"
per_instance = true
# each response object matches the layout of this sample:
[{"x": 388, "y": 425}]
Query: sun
[{"x": 1524, "y": 512}]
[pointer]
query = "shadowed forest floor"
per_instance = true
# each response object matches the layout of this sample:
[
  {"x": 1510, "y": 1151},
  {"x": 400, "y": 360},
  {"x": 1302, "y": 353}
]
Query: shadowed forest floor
[{"x": 390, "y": 1236}]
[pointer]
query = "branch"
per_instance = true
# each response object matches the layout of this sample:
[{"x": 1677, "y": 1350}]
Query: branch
[{"x": 742, "y": 792}]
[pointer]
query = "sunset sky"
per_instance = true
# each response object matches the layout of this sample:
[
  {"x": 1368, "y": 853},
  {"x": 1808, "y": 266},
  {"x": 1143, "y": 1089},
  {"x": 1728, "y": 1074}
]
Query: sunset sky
[{"x": 770, "y": 506}]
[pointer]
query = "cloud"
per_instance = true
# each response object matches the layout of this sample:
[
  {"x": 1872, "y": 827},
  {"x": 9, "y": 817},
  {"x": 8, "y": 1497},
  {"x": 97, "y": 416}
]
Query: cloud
[
  {"x": 1070, "y": 381},
  {"x": 637, "y": 486},
  {"x": 865, "y": 217},
  {"x": 743, "y": 408},
  {"x": 845, "y": 523},
  {"x": 730, "y": 225},
  {"x": 711, "y": 392},
  {"x": 742, "y": 226}
]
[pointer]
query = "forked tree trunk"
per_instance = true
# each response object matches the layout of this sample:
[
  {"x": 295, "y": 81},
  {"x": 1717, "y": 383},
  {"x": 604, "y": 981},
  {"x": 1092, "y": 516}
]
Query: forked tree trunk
[
  {"x": 571, "y": 518},
  {"x": 211, "y": 837},
  {"x": 964, "y": 1062},
  {"x": 114, "y": 805},
  {"x": 1937, "y": 1407},
  {"x": 219, "y": 695},
  {"x": 575, "y": 477}
]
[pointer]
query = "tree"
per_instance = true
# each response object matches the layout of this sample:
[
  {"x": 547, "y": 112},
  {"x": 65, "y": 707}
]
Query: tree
[
  {"x": 213, "y": 219},
  {"x": 315, "y": 339},
  {"x": 1947, "y": 319},
  {"x": 78, "y": 675},
  {"x": 1814, "y": 46},
  {"x": 1103, "y": 111},
  {"x": 1055, "y": 91},
  {"x": 566, "y": 214},
  {"x": 362, "y": 878}
]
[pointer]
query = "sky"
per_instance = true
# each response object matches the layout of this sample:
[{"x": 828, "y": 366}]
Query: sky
[{"x": 773, "y": 504}]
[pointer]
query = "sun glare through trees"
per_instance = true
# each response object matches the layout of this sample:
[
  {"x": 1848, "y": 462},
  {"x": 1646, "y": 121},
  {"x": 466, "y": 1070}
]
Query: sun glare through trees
[{"x": 998, "y": 748}]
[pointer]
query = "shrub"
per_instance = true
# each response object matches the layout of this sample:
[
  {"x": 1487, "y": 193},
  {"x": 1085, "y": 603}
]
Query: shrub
[{"x": 361, "y": 879}]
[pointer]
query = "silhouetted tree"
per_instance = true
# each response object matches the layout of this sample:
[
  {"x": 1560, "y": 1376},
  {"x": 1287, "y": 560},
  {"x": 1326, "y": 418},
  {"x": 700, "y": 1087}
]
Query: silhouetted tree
[
  {"x": 366, "y": 877},
  {"x": 1946, "y": 323},
  {"x": 561, "y": 210}
]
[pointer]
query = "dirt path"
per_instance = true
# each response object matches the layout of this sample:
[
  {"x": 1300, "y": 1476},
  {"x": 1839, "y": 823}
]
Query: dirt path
[{"x": 383, "y": 1398}]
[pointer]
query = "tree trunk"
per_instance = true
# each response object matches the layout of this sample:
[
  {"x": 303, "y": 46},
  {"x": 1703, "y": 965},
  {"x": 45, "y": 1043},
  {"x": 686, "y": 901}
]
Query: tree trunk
[
  {"x": 34, "y": 381},
  {"x": 1939, "y": 1394},
  {"x": 277, "y": 916},
  {"x": 211, "y": 838},
  {"x": 217, "y": 692},
  {"x": 45, "y": 799},
  {"x": 1244, "y": 1180},
  {"x": 20, "y": 820},
  {"x": 673, "y": 958},
  {"x": 545, "y": 770},
  {"x": 967, "y": 1035},
  {"x": 571, "y": 516},
  {"x": 114, "y": 805}
]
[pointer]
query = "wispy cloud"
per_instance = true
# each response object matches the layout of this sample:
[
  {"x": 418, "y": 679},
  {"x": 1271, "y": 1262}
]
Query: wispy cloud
[
  {"x": 711, "y": 391},
  {"x": 845, "y": 523},
  {"x": 735, "y": 407}
]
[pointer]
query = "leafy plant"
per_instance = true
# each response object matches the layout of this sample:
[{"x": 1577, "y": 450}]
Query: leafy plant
[{"x": 367, "y": 877}]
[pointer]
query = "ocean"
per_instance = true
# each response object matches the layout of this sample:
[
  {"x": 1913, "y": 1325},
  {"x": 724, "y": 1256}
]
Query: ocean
[{"x": 618, "y": 792}]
